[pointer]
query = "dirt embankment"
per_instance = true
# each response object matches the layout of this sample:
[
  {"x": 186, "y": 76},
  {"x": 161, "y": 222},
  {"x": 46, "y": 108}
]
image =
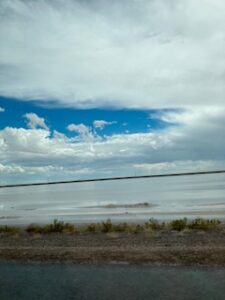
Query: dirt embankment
[{"x": 191, "y": 248}]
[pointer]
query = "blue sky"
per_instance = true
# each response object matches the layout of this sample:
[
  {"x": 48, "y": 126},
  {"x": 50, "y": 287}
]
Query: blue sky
[
  {"x": 96, "y": 89},
  {"x": 58, "y": 118}
]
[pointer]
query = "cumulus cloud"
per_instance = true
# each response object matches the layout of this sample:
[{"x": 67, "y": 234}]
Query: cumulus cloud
[
  {"x": 79, "y": 128},
  {"x": 84, "y": 132},
  {"x": 2, "y": 109},
  {"x": 60, "y": 136},
  {"x": 196, "y": 143},
  {"x": 118, "y": 54},
  {"x": 34, "y": 121},
  {"x": 100, "y": 124},
  {"x": 11, "y": 169}
]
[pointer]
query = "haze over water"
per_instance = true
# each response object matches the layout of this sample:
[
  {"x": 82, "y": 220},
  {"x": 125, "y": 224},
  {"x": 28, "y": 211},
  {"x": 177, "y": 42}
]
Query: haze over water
[{"x": 172, "y": 197}]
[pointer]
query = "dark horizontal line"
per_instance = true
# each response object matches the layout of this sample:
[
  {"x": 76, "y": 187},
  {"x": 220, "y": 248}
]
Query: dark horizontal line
[{"x": 112, "y": 178}]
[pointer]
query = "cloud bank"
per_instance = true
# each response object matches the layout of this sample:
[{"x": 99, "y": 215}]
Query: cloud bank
[
  {"x": 141, "y": 54},
  {"x": 132, "y": 53},
  {"x": 195, "y": 143}
]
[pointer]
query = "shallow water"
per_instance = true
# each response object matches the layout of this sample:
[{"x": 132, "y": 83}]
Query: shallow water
[
  {"x": 65, "y": 282},
  {"x": 191, "y": 196}
]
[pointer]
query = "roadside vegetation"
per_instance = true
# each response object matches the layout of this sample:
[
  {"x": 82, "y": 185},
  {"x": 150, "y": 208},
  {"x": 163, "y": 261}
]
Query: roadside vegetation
[
  {"x": 55, "y": 227},
  {"x": 198, "y": 224},
  {"x": 154, "y": 225},
  {"x": 9, "y": 229}
]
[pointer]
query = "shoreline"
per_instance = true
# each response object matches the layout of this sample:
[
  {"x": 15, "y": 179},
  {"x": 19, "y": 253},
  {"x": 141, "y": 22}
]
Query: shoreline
[{"x": 129, "y": 217}]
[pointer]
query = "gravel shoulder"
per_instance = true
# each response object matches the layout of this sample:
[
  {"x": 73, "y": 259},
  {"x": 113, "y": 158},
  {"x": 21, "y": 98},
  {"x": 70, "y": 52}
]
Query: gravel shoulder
[{"x": 184, "y": 248}]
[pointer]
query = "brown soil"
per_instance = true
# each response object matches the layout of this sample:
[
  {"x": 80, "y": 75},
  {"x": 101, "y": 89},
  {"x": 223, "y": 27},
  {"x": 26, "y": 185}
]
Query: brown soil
[{"x": 187, "y": 248}]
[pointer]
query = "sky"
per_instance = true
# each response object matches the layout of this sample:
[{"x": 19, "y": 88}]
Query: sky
[{"x": 98, "y": 88}]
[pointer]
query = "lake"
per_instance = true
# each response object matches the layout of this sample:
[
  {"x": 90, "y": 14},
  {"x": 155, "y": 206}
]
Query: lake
[{"x": 171, "y": 197}]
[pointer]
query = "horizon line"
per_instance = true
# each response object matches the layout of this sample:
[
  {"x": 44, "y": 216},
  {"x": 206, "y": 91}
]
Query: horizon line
[{"x": 111, "y": 178}]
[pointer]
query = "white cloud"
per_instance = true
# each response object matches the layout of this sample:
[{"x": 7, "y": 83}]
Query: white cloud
[
  {"x": 11, "y": 169},
  {"x": 2, "y": 109},
  {"x": 196, "y": 143},
  {"x": 179, "y": 166},
  {"x": 79, "y": 128},
  {"x": 189, "y": 117},
  {"x": 100, "y": 124},
  {"x": 84, "y": 132},
  {"x": 130, "y": 53},
  {"x": 59, "y": 136},
  {"x": 34, "y": 121}
]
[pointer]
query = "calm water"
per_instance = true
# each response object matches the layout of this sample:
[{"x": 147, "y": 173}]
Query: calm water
[
  {"x": 65, "y": 282},
  {"x": 191, "y": 196}
]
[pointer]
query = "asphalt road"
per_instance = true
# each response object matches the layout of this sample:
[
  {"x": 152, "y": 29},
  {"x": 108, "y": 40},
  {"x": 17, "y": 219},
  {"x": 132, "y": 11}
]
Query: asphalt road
[{"x": 66, "y": 281}]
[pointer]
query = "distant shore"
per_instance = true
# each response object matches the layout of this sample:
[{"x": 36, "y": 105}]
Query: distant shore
[{"x": 117, "y": 217}]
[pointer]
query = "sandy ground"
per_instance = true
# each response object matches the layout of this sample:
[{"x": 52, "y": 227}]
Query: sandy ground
[{"x": 185, "y": 248}]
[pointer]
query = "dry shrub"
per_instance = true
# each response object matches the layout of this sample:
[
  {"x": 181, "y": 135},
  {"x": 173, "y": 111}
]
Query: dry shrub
[
  {"x": 55, "y": 227},
  {"x": 107, "y": 226},
  {"x": 204, "y": 224},
  {"x": 9, "y": 229},
  {"x": 154, "y": 224},
  {"x": 179, "y": 224}
]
